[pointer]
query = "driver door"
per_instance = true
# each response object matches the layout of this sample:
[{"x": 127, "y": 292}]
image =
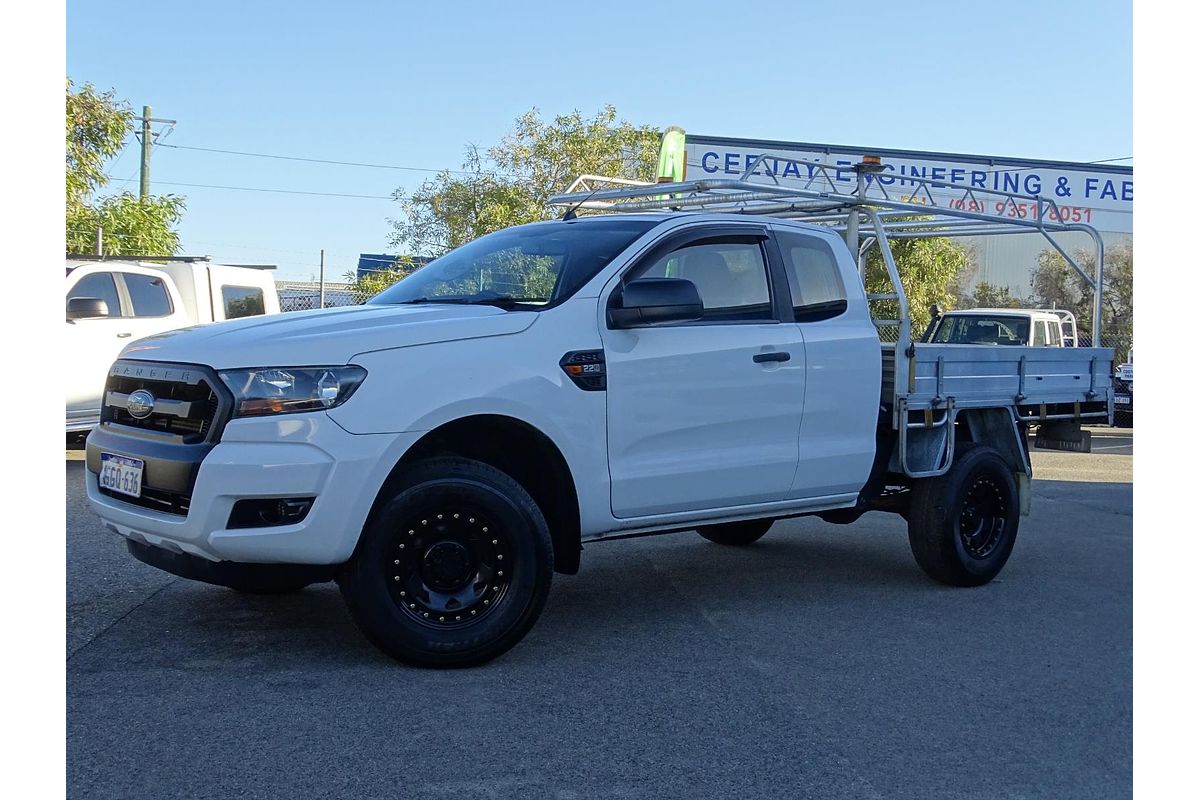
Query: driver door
[{"x": 706, "y": 414}]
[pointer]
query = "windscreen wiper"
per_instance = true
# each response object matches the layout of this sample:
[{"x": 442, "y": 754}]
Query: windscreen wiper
[{"x": 500, "y": 301}]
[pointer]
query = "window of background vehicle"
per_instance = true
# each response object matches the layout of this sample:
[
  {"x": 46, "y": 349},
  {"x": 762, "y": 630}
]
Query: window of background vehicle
[
  {"x": 1055, "y": 335},
  {"x": 148, "y": 294},
  {"x": 1039, "y": 334},
  {"x": 101, "y": 286},
  {"x": 730, "y": 274},
  {"x": 242, "y": 301},
  {"x": 813, "y": 275}
]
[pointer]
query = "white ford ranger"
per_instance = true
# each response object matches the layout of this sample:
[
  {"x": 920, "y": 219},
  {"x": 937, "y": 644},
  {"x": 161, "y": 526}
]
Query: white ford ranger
[{"x": 444, "y": 449}]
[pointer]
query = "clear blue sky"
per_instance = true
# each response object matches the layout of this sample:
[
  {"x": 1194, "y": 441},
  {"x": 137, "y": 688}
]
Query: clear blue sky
[{"x": 411, "y": 83}]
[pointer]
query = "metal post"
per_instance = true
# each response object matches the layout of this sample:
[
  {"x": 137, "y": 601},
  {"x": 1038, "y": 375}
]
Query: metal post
[
  {"x": 1097, "y": 296},
  {"x": 145, "y": 183},
  {"x": 322, "y": 277},
  {"x": 852, "y": 241},
  {"x": 99, "y": 240}
]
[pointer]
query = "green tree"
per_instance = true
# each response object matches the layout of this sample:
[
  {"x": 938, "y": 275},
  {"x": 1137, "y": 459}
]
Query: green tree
[
  {"x": 509, "y": 183},
  {"x": 929, "y": 271},
  {"x": 97, "y": 125},
  {"x": 373, "y": 282},
  {"x": 1054, "y": 284},
  {"x": 987, "y": 295}
]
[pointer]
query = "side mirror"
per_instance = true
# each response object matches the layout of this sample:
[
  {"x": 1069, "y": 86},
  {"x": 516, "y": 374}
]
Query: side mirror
[
  {"x": 86, "y": 308},
  {"x": 652, "y": 300}
]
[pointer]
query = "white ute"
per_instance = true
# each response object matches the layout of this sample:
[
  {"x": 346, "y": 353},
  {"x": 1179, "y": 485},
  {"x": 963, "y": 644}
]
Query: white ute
[{"x": 444, "y": 449}]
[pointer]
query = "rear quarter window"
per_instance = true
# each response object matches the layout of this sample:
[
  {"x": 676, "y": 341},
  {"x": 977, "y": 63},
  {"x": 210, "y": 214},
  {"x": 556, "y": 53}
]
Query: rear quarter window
[
  {"x": 148, "y": 294},
  {"x": 242, "y": 301},
  {"x": 813, "y": 276}
]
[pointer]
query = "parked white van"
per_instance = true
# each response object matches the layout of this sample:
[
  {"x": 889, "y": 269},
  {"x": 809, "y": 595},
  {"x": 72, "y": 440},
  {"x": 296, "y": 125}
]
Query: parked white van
[{"x": 112, "y": 302}]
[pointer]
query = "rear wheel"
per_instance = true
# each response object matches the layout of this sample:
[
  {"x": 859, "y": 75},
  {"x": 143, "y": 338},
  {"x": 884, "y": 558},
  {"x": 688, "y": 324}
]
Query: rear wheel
[
  {"x": 963, "y": 525},
  {"x": 453, "y": 568},
  {"x": 736, "y": 534}
]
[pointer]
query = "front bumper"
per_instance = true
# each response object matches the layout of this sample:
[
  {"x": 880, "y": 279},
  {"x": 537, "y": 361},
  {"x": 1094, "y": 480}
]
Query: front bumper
[{"x": 299, "y": 455}]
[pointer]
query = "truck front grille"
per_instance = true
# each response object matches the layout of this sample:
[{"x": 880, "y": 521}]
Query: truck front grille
[{"x": 186, "y": 400}]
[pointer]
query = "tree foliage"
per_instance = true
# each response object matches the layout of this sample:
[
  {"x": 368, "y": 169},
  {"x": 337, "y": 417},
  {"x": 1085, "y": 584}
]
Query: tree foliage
[
  {"x": 929, "y": 269},
  {"x": 1055, "y": 284},
  {"x": 97, "y": 125},
  {"x": 375, "y": 281},
  {"x": 129, "y": 226},
  {"x": 510, "y": 182},
  {"x": 988, "y": 295}
]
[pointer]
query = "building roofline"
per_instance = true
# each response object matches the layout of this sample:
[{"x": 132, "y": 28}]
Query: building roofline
[{"x": 830, "y": 149}]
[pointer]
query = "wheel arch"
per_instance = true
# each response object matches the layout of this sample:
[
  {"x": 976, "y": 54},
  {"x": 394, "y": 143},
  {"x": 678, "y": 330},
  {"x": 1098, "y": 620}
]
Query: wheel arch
[
  {"x": 523, "y": 452},
  {"x": 999, "y": 429}
]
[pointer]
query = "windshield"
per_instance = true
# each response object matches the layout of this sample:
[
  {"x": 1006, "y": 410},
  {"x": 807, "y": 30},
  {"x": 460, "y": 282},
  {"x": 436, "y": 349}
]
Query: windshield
[
  {"x": 528, "y": 266},
  {"x": 979, "y": 329}
]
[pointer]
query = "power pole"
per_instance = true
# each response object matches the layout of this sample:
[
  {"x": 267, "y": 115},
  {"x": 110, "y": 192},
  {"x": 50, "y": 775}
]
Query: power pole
[
  {"x": 322, "y": 277},
  {"x": 147, "y": 138},
  {"x": 145, "y": 184}
]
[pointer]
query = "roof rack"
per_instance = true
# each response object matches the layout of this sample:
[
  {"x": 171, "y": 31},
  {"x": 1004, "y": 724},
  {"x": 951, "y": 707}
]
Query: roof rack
[
  {"x": 896, "y": 206},
  {"x": 136, "y": 257}
]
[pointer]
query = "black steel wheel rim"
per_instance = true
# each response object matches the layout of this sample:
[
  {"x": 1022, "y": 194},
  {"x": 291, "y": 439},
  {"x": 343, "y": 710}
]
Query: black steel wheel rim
[
  {"x": 449, "y": 567},
  {"x": 982, "y": 519}
]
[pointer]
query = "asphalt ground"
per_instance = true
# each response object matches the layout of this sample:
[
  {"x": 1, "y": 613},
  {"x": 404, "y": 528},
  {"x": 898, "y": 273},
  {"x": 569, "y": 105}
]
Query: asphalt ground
[{"x": 817, "y": 663}]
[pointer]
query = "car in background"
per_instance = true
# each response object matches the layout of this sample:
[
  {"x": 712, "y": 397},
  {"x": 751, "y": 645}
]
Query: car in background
[
  {"x": 1123, "y": 393},
  {"x": 1004, "y": 326},
  {"x": 111, "y": 303}
]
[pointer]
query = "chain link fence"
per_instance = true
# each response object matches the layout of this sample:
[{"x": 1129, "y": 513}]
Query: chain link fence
[
  {"x": 1119, "y": 341},
  {"x": 306, "y": 295}
]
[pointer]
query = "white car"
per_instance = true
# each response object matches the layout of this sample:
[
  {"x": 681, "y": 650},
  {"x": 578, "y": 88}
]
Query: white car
[
  {"x": 111, "y": 303},
  {"x": 444, "y": 449}
]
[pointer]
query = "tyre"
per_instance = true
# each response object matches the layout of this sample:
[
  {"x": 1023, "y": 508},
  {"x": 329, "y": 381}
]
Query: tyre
[
  {"x": 736, "y": 534},
  {"x": 453, "y": 567},
  {"x": 963, "y": 525}
]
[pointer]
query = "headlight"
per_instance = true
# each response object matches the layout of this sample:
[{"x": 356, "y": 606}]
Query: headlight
[{"x": 287, "y": 390}]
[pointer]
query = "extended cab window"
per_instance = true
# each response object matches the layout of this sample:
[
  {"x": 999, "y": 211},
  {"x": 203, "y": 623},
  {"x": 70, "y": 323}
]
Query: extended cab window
[
  {"x": 813, "y": 275},
  {"x": 1055, "y": 335},
  {"x": 242, "y": 301},
  {"x": 148, "y": 295},
  {"x": 1039, "y": 334},
  {"x": 101, "y": 286},
  {"x": 730, "y": 274}
]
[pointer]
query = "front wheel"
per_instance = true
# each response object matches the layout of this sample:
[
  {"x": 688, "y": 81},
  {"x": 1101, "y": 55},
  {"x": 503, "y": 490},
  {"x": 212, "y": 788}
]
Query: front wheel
[
  {"x": 454, "y": 566},
  {"x": 736, "y": 534},
  {"x": 962, "y": 525}
]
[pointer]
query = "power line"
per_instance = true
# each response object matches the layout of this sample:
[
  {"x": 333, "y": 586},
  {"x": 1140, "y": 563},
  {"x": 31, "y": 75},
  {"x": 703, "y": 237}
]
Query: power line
[
  {"x": 264, "y": 189},
  {"x": 317, "y": 160}
]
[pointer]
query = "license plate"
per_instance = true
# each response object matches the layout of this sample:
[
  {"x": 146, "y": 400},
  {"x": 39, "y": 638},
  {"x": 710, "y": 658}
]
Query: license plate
[
  {"x": 1123, "y": 401},
  {"x": 121, "y": 474}
]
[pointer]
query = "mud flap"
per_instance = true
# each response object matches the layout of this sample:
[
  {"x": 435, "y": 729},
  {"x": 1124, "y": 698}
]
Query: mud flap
[
  {"x": 1024, "y": 492},
  {"x": 1063, "y": 436}
]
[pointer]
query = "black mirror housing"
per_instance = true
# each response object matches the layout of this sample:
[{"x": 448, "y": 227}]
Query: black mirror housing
[
  {"x": 653, "y": 300},
  {"x": 86, "y": 308}
]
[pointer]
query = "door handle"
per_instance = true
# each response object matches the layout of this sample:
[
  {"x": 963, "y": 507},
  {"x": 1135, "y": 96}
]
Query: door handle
[
  {"x": 124, "y": 335},
  {"x": 778, "y": 355}
]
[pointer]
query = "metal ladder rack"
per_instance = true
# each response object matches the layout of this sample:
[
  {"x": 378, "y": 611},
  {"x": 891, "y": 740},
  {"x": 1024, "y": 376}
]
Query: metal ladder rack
[{"x": 916, "y": 213}]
